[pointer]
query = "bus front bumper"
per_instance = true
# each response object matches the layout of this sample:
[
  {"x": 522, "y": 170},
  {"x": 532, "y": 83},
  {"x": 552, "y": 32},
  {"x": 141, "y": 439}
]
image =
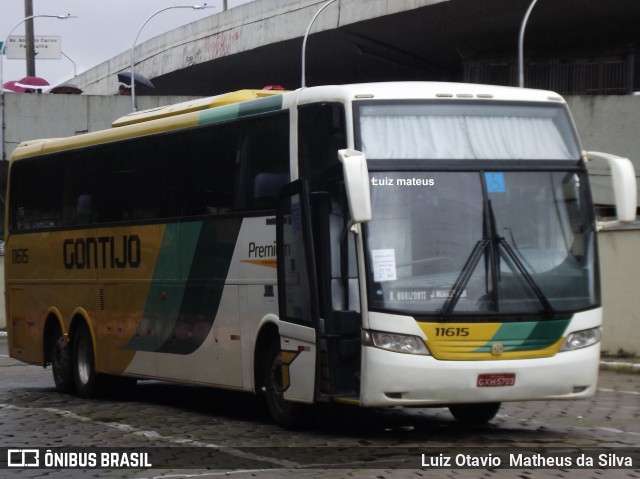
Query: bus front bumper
[{"x": 395, "y": 379}]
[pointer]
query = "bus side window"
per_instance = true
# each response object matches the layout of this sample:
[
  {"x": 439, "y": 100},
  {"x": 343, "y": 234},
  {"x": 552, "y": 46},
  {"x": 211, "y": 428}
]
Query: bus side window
[
  {"x": 266, "y": 188},
  {"x": 262, "y": 161},
  {"x": 36, "y": 198},
  {"x": 321, "y": 133},
  {"x": 83, "y": 209},
  {"x": 79, "y": 172},
  {"x": 206, "y": 165}
]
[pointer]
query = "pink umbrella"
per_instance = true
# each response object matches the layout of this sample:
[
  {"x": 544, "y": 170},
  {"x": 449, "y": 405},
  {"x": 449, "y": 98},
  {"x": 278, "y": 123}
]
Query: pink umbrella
[
  {"x": 32, "y": 83},
  {"x": 13, "y": 86}
]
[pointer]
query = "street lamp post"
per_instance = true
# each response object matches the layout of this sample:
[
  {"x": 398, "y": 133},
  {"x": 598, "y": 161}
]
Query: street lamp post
[
  {"x": 521, "y": 45},
  {"x": 304, "y": 42},
  {"x": 133, "y": 47},
  {"x": 30, "y": 17},
  {"x": 75, "y": 67}
]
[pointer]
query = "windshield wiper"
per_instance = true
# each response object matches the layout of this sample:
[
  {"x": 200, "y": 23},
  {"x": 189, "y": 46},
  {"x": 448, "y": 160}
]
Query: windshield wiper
[
  {"x": 492, "y": 242},
  {"x": 527, "y": 276},
  {"x": 463, "y": 278},
  {"x": 487, "y": 243},
  {"x": 517, "y": 262}
]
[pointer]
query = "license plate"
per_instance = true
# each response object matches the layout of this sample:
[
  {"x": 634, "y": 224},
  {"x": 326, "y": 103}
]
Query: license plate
[{"x": 496, "y": 380}]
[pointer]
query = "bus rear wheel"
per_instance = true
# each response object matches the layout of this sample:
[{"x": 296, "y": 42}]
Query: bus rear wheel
[
  {"x": 475, "y": 413},
  {"x": 60, "y": 356},
  {"x": 84, "y": 369},
  {"x": 286, "y": 414}
]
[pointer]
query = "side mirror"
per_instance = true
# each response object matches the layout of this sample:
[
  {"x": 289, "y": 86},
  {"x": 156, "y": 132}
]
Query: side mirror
[
  {"x": 623, "y": 177},
  {"x": 356, "y": 180}
]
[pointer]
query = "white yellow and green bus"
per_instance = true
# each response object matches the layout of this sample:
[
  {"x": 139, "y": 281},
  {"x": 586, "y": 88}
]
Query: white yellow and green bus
[{"x": 393, "y": 244}]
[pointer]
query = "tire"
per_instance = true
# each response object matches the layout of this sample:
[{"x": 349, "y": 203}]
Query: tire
[
  {"x": 60, "y": 354},
  {"x": 84, "y": 370},
  {"x": 286, "y": 414},
  {"x": 475, "y": 413}
]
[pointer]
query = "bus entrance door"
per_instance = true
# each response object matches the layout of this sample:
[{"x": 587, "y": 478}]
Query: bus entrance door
[
  {"x": 297, "y": 294},
  {"x": 339, "y": 343}
]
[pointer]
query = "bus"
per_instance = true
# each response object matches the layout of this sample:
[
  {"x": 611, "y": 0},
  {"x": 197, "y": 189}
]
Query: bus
[{"x": 386, "y": 244}]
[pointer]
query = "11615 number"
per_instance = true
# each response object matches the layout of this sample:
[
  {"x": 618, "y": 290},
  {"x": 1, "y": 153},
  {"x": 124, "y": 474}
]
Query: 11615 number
[{"x": 452, "y": 332}]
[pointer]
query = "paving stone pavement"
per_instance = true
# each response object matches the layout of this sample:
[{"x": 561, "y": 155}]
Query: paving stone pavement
[{"x": 196, "y": 420}]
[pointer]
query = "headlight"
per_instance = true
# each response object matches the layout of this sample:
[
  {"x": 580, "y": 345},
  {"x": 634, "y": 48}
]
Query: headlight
[
  {"x": 582, "y": 339},
  {"x": 399, "y": 343}
]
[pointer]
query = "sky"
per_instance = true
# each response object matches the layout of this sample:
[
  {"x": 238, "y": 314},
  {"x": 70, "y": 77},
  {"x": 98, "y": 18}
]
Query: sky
[{"x": 103, "y": 29}]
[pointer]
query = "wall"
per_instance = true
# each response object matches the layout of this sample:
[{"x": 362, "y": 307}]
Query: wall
[
  {"x": 609, "y": 124},
  {"x": 619, "y": 266}
]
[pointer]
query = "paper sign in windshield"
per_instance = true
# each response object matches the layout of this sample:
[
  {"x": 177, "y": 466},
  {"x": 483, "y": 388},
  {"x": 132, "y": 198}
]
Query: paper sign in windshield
[{"x": 384, "y": 265}]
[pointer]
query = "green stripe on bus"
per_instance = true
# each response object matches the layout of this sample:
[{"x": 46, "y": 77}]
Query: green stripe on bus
[
  {"x": 209, "y": 267},
  {"x": 262, "y": 105},
  {"x": 222, "y": 113},
  {"x": 166, "y": 293},
  {"x": 238, "y": 110},
  {"x": 187, "y": 285},
  {"x": 528, "y": 336}
]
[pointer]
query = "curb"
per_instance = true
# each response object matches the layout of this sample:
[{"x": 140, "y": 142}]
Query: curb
[{"x": 620, "y": 366}]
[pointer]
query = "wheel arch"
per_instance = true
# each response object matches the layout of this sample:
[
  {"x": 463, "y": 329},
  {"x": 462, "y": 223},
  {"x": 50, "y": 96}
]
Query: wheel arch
[
  {"x": 81, "y": 318},
  {"x": 53, "y": 325},
  {"x": 268, "y": 332}
]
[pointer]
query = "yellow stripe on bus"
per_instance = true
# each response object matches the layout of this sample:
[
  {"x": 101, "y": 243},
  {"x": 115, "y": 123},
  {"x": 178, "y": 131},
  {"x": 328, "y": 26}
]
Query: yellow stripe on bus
[{"x": 482, "y": 341}]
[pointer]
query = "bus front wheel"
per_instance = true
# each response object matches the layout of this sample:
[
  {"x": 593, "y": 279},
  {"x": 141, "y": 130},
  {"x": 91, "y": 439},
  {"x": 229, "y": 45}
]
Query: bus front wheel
[
  {"x": 286, "y": 414},
  {"x": 84, "y": 370},
  {"x": 477, "y": 413}
]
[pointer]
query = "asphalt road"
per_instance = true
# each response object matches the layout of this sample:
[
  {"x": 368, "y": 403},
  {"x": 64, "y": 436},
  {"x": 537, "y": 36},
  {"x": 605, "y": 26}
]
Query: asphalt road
[{"x": 187, "y": 431}]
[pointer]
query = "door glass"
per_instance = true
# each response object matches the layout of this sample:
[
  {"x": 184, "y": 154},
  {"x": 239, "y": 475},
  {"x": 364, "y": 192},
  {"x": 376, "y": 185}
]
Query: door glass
[{"x": 294, "y": 272}]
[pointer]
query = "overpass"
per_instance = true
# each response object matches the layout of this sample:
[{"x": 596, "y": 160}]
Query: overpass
[{"x": 573, "y": 46}]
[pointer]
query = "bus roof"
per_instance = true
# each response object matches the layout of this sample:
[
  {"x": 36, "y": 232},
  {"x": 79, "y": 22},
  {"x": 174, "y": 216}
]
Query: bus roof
[
  {"x": 193, "y": 105},
  {"x": 426, "y": 91}
]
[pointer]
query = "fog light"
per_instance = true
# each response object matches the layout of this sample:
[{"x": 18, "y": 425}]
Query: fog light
[
  {"x": 582, "y": 339},
  {"x": 398, "y": 343}
]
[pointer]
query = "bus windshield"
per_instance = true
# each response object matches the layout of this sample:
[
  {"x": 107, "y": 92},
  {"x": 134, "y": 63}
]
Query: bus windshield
[
  {"x": 442, "y": 243},
  {"x": 466, "y": 131}
]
